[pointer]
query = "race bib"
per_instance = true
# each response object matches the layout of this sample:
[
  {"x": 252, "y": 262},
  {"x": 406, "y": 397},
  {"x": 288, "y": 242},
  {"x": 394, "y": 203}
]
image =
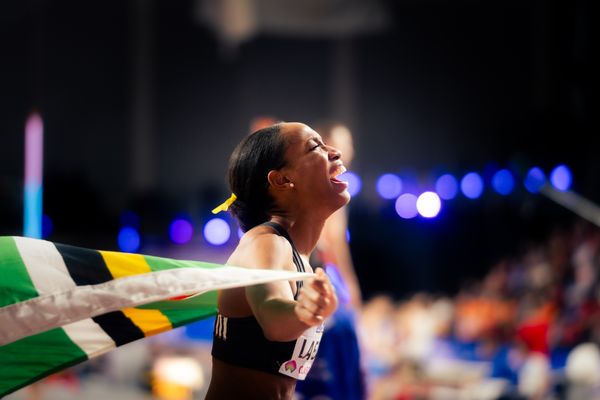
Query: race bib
[{"x": 304, "y": 354}]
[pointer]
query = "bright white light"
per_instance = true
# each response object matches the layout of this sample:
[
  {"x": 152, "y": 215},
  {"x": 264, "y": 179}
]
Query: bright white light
[
  {"x": 184, "y": 371},
  {"x": 217, "y": 231},
  {"x": 429, "y": 204}
]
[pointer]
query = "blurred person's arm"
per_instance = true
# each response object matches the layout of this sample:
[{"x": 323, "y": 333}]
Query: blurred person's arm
[{"x": 337, "y": 251}]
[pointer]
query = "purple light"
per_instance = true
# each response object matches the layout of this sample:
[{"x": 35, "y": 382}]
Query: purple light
[
  {"x": 406, "y": 206},
  {"x": 217, "y": 231},
  {"x": 503, "y": 182},
  {"x": 348, "y": 235},
  {"x": 354, "y": 182},
  {"x": 561, "y": 178},
  {"x": 429, "y": 204},
  {"x": 34, "y": 149},
  {"x": 128, "y": 240},
  {"x": 471, "y": 185},
  {"x": 389, "y": 186},
  {"x": 181, "y": 231},
  {"x": 534, "y": 180},
  {"x": 240, "y": 233},
  {"x": 446, "y": 186}
]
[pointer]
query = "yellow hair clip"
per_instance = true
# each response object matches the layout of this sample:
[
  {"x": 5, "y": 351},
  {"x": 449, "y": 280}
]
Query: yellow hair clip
[{"x": 226, "y": 204}]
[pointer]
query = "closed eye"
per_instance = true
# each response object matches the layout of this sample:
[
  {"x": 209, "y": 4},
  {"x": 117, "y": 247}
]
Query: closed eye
[{"x": 318, "y": 144}]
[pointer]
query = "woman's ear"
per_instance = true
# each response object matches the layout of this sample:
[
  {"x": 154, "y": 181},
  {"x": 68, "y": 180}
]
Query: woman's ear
[{"x": 278, "y": 181}]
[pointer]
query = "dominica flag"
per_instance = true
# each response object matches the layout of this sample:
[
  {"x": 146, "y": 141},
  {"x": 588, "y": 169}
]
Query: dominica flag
[{"x": 61, "y": 305}]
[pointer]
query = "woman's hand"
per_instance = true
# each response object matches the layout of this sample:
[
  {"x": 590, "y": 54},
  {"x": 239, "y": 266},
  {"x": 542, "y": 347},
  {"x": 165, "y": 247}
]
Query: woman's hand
[{"x": 317, "y": 300}]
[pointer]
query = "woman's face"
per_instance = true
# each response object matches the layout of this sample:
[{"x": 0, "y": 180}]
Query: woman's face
[{"x": 313, "y": 167}]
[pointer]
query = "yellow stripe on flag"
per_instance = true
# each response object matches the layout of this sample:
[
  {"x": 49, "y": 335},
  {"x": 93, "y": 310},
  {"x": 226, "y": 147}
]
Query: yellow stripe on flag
[
  {"x": 150, "y": 322},
  {"x": 125, "y": 264}
]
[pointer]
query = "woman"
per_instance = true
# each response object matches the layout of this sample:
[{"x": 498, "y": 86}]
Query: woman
[{"x": 284, "y": 182}]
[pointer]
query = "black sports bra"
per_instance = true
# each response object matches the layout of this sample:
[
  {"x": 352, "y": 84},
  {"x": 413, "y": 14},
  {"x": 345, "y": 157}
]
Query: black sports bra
[
  {"x": 295, "y": 255},
  {"x": 241, "y": 341}
]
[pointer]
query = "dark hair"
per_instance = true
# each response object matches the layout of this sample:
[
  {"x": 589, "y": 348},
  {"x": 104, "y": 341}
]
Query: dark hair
[{"x": 249, "y": 165}]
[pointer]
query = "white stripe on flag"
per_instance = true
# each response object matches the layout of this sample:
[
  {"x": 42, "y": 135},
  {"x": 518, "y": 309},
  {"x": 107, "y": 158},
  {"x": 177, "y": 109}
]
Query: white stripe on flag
[
  {"x": 45, "y": 266},
  {"x": 89, "y": 337},
  {"x": 58, "y": 309},
  {"x": 49, "y": 274}
]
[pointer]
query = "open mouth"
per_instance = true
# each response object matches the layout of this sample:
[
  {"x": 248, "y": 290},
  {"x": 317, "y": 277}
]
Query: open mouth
[{"x": 340, "y": 169}]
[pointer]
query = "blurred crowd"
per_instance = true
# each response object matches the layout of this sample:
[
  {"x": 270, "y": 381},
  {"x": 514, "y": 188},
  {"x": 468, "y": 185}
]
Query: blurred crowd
[{"x": 529, "y": 329}]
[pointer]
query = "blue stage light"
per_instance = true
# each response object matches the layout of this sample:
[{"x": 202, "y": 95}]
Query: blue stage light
[
  {"x": 503, "y": 182},
  {"x": 47, "y": 226},
  {"x": 128, "y": 239},
  {"x": 561, "y": 178},
  {"x": 446, "y": 187},
  {"x": 429, "y": 204},
  {"x": 471, "y": 185},
  {"x": 354, "y": 182},
  {"x": 389, "y": 186},
  {"x": 217, "y": 231},
  {"x": 406, "y": 206},
  {"x": 181, "y": 231},
  {"x": 534, "y": 180}
]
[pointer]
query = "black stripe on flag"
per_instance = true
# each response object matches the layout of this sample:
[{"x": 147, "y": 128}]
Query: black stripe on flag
[
  {"x": 86, "y": 266},
  {"x": 120, "y": 328}
]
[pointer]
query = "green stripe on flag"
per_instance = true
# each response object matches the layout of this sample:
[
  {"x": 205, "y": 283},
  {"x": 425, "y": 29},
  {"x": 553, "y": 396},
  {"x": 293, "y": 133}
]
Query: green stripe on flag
[
  {"x": 181, "y": 312},
  {"x": 34, "y": 357},
  {"x": 160, "y": 264},
  {"x": 15, "y": 285}
]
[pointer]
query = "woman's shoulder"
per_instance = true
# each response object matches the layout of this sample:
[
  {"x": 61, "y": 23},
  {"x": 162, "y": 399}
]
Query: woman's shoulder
[
  {"x": 265, "y": 235},
  {"x": 262, "y": 247}
]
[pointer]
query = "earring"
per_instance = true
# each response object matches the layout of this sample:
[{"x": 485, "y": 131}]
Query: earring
[{"x": 291, "y": 184}]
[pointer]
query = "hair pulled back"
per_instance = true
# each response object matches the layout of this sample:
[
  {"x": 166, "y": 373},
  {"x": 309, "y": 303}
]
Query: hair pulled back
[{"x": 249, "y": 165}]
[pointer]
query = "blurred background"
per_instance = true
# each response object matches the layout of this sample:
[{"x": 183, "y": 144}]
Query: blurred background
[{"x": 487, "y": 107}]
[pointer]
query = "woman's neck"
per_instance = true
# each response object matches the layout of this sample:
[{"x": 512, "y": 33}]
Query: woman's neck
[{"x": 304, "y": 232}]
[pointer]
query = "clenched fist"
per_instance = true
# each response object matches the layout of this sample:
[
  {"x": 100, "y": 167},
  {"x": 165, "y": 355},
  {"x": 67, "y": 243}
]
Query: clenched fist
[{"x": 317, "y": 300}]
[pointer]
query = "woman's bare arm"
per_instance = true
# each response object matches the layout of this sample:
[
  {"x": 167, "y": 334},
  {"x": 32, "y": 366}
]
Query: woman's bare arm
[{"x": 281, "y": 317}]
